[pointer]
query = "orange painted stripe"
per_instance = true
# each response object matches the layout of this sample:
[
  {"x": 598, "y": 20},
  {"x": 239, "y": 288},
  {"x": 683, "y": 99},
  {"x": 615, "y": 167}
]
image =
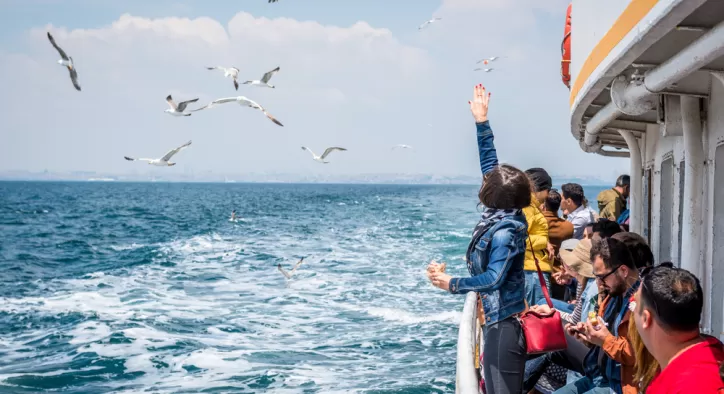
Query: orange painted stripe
[{"x": 632, "y": 15}]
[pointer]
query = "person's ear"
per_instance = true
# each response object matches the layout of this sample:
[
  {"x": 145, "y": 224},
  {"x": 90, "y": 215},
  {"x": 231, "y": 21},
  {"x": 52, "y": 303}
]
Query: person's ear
[{"x": 646, "y": 319}]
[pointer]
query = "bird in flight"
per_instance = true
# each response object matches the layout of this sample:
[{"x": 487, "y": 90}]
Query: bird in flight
[
  {"x": 289, "y": 274},
  {"x": 424, "y": 25},
  {"x": 488, "y": 60},
  {"x": 402, "y": 146},
  {"x": 66, "y": 61},
  {"x": 487, "y": 70},
  {"x": 273, "y": 1},
  {"x": 324, "y": 155},
  {"x": 164, "y": 161},
  {"x": 264, "y": 80},
  {"x": 178, "y": 109},
  {"x": 243, "y": 101},
  {"x": 231, "y": 72}
]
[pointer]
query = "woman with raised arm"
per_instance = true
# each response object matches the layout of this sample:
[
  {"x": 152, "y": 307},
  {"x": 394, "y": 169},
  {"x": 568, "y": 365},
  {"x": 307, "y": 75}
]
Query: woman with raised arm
[{"x": 495, "y": 259}]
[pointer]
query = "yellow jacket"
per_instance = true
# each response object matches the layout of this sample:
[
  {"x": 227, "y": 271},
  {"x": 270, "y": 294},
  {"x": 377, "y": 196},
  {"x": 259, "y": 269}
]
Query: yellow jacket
[{"x": 538, "y": 236}]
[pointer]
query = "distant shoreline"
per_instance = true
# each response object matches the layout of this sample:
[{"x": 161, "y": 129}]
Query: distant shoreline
[{"x": 221, "y": 182}]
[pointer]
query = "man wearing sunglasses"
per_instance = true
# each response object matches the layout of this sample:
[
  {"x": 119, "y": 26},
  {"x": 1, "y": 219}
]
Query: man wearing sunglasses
[
  {"x": 609, "y": 364},
  {"x": 667, "y": 316}
]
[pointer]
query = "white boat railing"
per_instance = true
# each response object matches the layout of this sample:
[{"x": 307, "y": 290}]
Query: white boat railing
[{"x": 466, "y": 376}]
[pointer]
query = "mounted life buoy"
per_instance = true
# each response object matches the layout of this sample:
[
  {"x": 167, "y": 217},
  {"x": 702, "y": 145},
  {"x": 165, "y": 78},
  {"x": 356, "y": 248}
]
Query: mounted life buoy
[{"x": 566, "y": 51}]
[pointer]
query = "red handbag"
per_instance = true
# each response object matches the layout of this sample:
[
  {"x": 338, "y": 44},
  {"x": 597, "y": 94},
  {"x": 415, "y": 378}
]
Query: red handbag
[{"x": 543, "y": 333}]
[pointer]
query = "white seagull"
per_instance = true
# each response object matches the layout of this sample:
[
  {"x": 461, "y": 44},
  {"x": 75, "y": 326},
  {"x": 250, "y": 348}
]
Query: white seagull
[
  {"x": 264, "y": 80},
  {"x": 164, "y": 161},
  {"x": 424, "y": 25},
  {"x": 66, "y": 61},
  {"x": 324, "y": 155},
  {"x": 178, "y": 109},
  {"x": 243, "y": 101},
  {"x": 488, "y": 60},
  {"x": 289, "y": 274},
  {"x": 231, "y": 72},
  {"x": 487, "y": 70},
  {"x": 403, "y": 146}
]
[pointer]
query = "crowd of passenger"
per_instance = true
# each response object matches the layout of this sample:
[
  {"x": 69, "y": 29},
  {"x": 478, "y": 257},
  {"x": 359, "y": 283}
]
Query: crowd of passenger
[{"x": 631, "y": 326}]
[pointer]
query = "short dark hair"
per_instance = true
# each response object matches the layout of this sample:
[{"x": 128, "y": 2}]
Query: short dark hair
[
  {"x": 623, "y": 180},
  {"x": 573, "y": 191},
  {"x": 606, "y": 228},
  {"x": 675, "y": 296},
  {"x": 614, "y": 253},
  {"x": 539, "y": 179},
  {"x": 505, "y": 187},
  {"x": 639, "y": 248},
  {"x": 553, "y": 202}
]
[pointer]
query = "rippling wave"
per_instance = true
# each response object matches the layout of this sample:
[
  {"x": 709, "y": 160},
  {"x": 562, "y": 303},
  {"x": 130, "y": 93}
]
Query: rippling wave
[{"x": 130, "y": 288}]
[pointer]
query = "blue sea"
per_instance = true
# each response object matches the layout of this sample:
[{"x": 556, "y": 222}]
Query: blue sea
[{"x": 148, "y": 287}]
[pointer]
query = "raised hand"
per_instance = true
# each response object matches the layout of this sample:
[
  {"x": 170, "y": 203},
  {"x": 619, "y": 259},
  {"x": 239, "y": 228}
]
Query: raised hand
[{"x": 479, "y": 104}]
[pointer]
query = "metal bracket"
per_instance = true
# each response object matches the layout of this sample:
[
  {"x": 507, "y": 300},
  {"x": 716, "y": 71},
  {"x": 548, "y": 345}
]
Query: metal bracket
[{"x": 619, "y": 87}]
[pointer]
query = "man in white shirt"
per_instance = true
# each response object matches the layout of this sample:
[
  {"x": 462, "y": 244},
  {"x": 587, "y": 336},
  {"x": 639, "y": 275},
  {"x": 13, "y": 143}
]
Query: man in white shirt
[{"x": 574, "y": 202}]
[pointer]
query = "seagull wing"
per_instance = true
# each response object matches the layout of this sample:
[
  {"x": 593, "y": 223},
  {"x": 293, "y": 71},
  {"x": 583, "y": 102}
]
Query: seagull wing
[
  {"x": 273, "y": 119},
  {"x": 330, "y": 150},
  {"x": 296, "y": 266},
  {"x": 216, "y": 68},
  {"x": 74, "y": 77},
  {"x": 273, "y": 1},
  {"x": 236, "y": 84},
  {"x": 171, "y": 103},
  {"x": 283, "y": 271},
  {"x": 268, "y": 75},
  {"x": 172, "y": 152},
  {"x": 422, "y": 26},
  {"x": 216, "y": 102},
  {"x": 60, "y": 51},
  {"x": 309, "y": 150},
  {"x": 129, "y": 158},
  {"x": 182, "y": 105}
]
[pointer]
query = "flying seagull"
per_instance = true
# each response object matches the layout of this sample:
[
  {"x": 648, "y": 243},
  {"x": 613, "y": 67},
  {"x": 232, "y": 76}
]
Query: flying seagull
[
  {"x": 487, "y": 70},
  {"x": 289, "y": 274},
  {"x": 231, "y": 72},
  {"x": 242, "y": 101},
  {"x": 488, "y": 60},
  {"x": 273, "y": 1},
  {"x": 178, "y": 109},
  {"x": 403, "y": 146},
  {"x": 164, "y": 161},
  {"x": 325, "y": 154},
  {"x": 66, "y": 61},
  {"x": 265, "y": 79},
  {"x": 424, "y": 25}
]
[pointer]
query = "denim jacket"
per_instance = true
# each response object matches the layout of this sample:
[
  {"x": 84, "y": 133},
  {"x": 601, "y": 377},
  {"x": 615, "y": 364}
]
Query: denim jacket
[{"x": 496, "y": 266}]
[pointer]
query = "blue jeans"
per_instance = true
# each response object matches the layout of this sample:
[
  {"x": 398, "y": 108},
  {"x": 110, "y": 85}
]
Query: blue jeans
[
  {"x": 533, "y": 291},
  {"x": 585, "y": 386},
  {"x": 558, "y": 304}
]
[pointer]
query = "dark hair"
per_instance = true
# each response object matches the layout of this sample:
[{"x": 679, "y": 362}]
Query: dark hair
[
  {"x": 539, "y": 179},
  {"x": 614, "y": 253},
  {"x": 505, "y": 187},
  {"x": 675, "y": 296},
  {"x": 573, "y": 191},
  {"x": 553, "y": 202},
  {"x": 639, "y": 248},
  {"x": 623, "y": 180},
  {"x": 606, "y": 228}
]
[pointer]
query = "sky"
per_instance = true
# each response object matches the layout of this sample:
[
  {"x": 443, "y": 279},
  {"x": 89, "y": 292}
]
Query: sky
[{"x": 355, "y": 73}]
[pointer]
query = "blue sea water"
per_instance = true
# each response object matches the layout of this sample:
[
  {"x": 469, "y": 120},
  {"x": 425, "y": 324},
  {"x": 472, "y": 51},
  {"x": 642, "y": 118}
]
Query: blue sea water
[{"x": 148, "y": 287}]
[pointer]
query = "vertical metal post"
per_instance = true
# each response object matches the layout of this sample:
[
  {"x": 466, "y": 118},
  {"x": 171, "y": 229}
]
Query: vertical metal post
[
  {"x": 637, "y": 174},
  {"x": 692, "y": 254}
]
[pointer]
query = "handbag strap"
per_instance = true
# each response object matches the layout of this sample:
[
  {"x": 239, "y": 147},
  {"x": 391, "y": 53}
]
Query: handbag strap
[{"x": 540, "y": 276}]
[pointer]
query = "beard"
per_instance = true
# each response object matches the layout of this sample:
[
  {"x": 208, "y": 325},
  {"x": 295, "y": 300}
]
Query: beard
[{"x": 619, "y": 288}]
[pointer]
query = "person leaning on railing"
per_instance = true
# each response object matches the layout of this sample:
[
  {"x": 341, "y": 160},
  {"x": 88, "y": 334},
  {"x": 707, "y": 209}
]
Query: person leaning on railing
[{"x": 495, "y": 260}]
